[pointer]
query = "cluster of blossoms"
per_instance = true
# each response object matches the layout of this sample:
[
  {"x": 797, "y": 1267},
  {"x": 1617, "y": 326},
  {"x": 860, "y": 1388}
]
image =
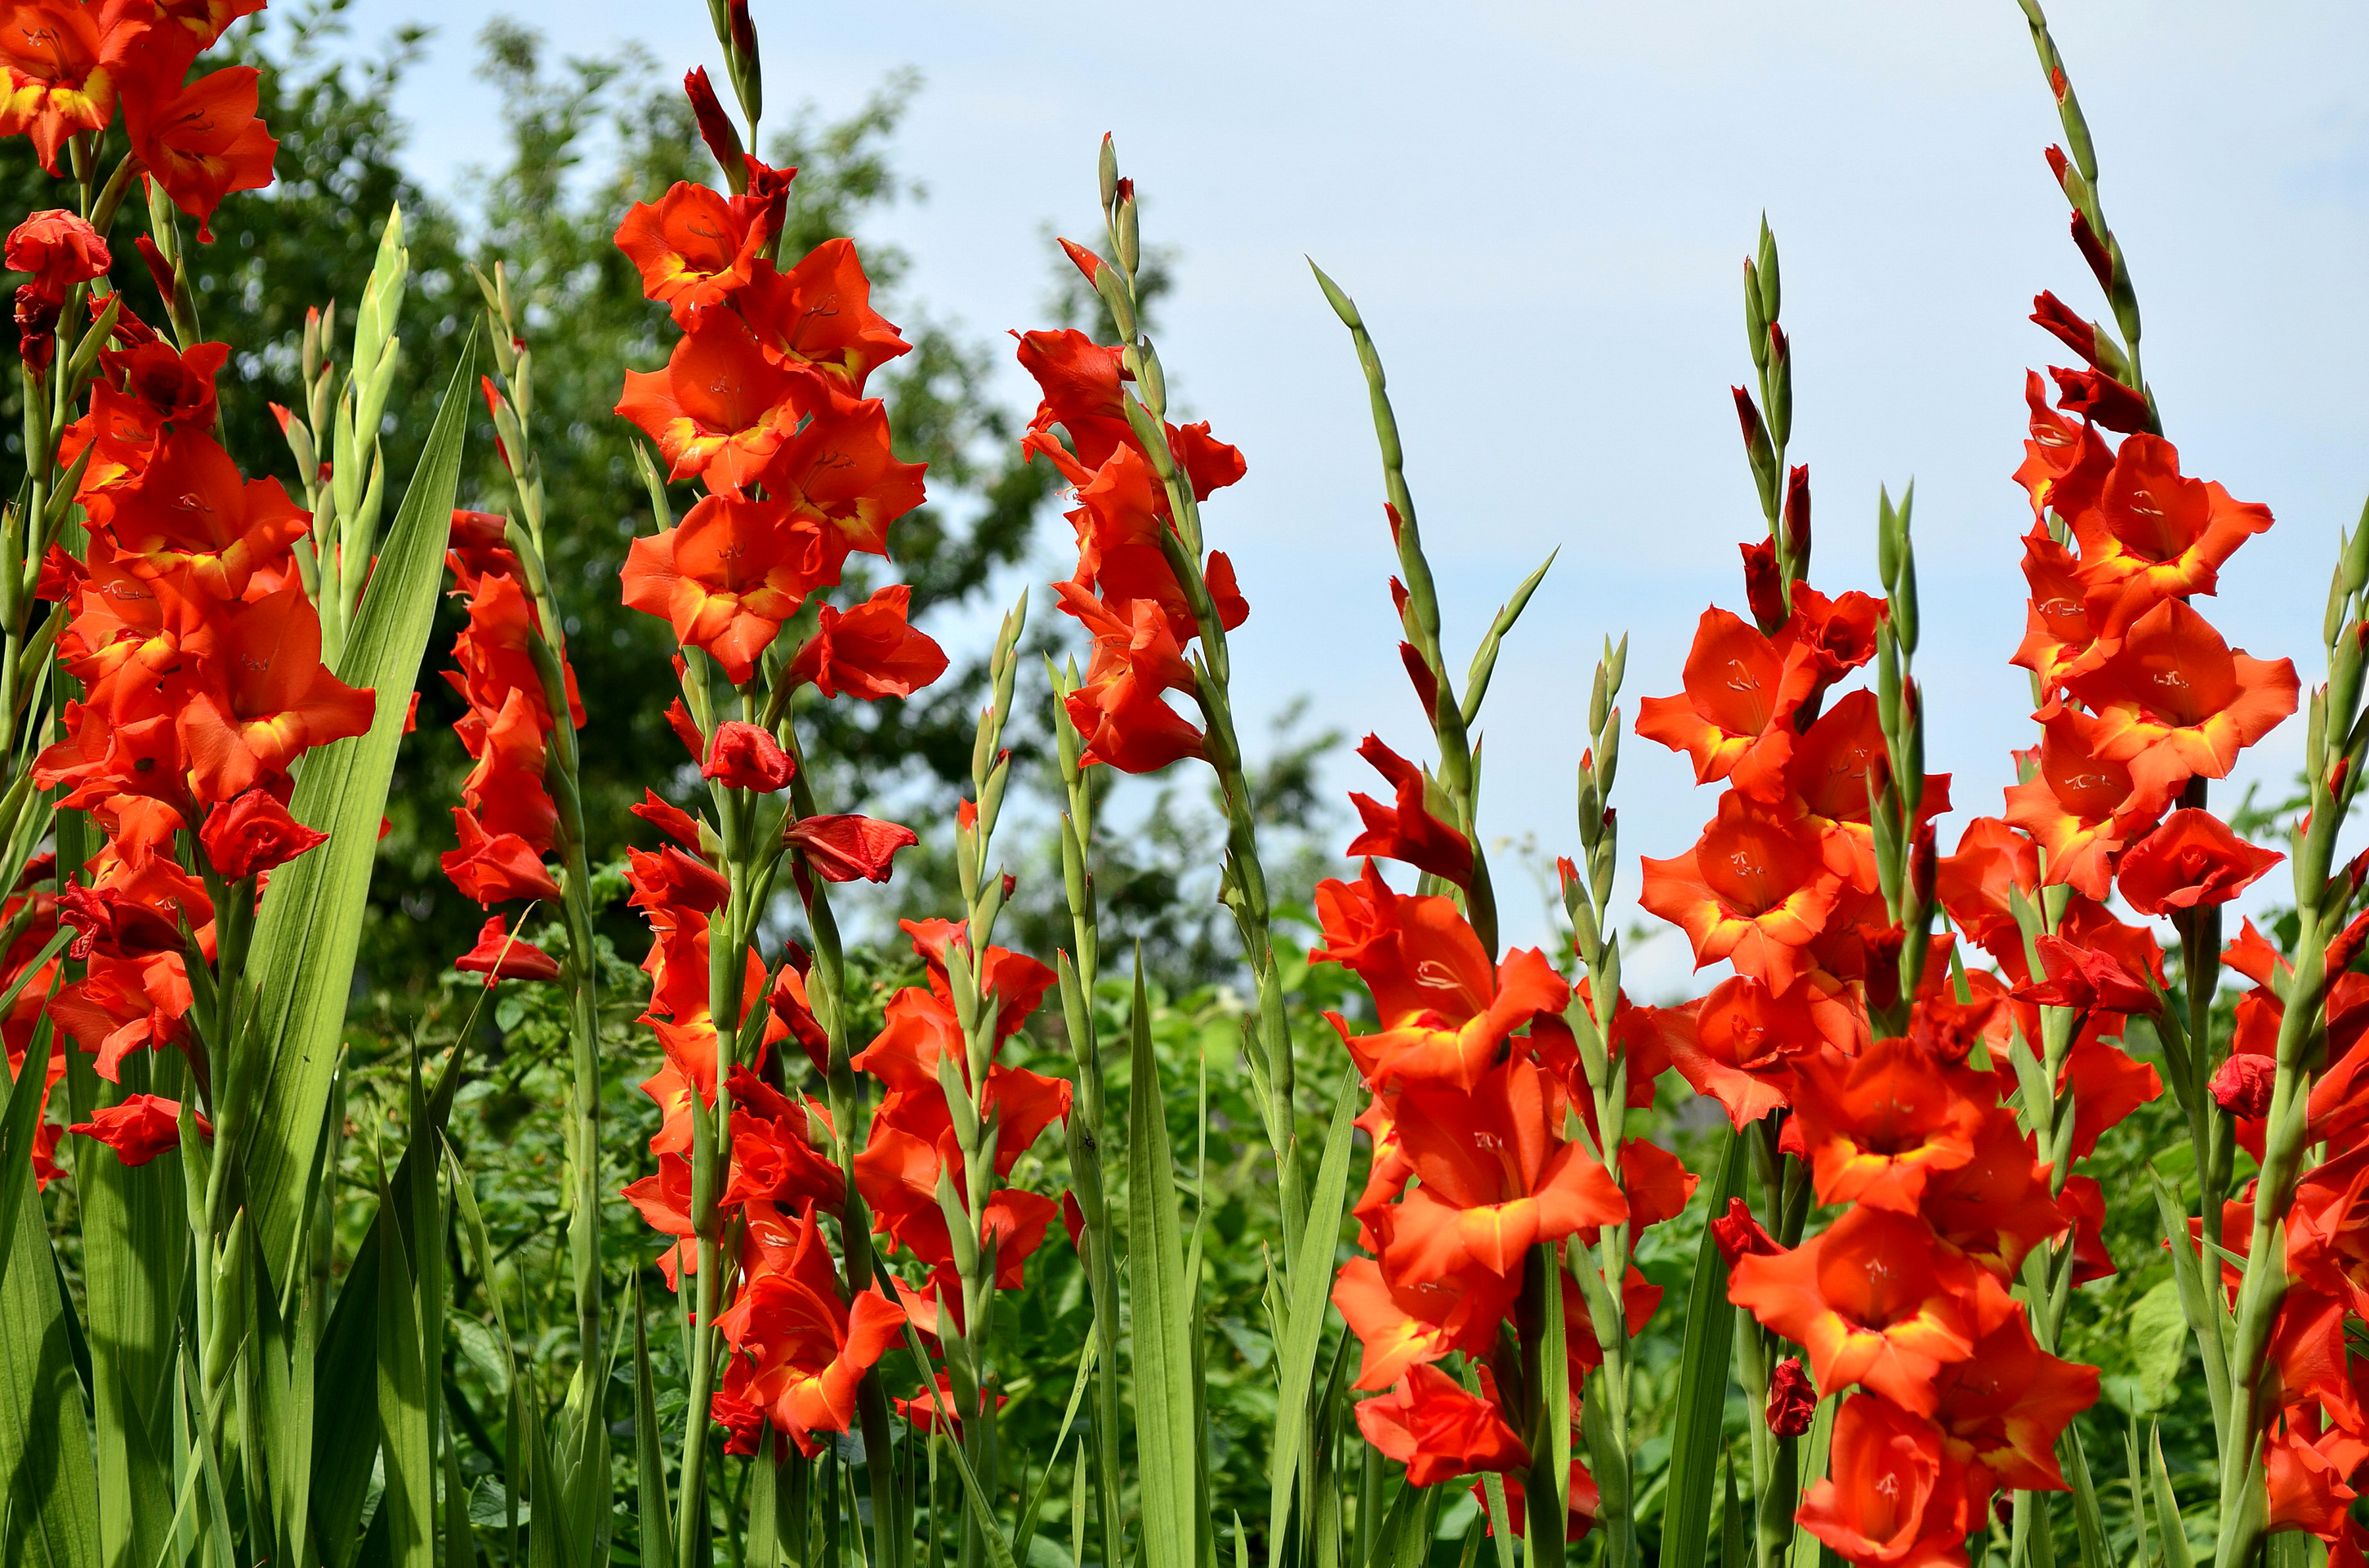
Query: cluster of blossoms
[
  {"x": 69, "y": 63},
  {"x": 187, "y": 623},
  {"x": 763, "y": 401},
  {"x": 507, "y": 821},
  {"x": 200, "y": 657},
  {"x": 1126, "y": 593}
]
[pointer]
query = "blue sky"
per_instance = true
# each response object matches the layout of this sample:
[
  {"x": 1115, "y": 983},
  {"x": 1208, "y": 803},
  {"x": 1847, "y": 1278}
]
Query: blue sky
[{"x": 1541, "y": 210}]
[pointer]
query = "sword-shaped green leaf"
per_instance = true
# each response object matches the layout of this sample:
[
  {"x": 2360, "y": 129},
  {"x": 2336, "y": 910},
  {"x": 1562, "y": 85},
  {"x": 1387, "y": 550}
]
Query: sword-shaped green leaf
[
  {"x": 310, "y": 923},
  {"x": 1703, "y": 1377},
  {"x": 1168, "y": 1445},
  {"x": 1303, "y": 1327}
]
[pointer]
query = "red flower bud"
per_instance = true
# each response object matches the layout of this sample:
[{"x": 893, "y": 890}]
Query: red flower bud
[
  {"x": 842, "y": 849},
  {"x": 1791, "y": 1400},
  {"x": 744, "y": 756},
  {"x": 59, "y": 249},
  {"x": 1737, "y": 1234},
  {"x": 1797, "y": 511},
  {"x": 716, "y": 127},
  {"x": 254, "y": 833},
  {"x": 2241, "y": 1085},
  {"x": 500, "y": 957}
]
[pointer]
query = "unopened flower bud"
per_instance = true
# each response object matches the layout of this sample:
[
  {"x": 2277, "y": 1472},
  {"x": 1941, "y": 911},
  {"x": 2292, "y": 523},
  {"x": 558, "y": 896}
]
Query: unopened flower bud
[
  {"x": 1737, "y": 1234},
  {"x": 2241, "y": 1085},
  {"x": 1791, "y": 1400},
  {"x": 716, "y": 127}
]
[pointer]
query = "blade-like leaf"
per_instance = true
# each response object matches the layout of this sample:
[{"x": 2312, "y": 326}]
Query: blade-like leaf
[
  {"x": 1703, "y": 1376},
  {"x": 1168, "y": 1444},
  {"x": 50, "y": 1496},
  {"x": 408, "y": 1503},
  {"x": 650, "y": 1463},
  {"x": 1303, "y": 1327},
  {"x": 309, "y": 927},
  {"x": 2167, "y": 1503}
]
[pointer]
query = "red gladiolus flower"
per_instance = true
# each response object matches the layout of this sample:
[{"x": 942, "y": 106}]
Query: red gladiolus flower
[
  {"x": 1430, "y": 1424},
  {"x": 141, "y": 1128},
  {"x": 501, "y": 956},
  {"x": 1876, "y": 1127},
  {"x": 273, "y": 701},
  {"x": 1995, "y": 1208},
  {"x": 2241, "y": 1084},
  {"x": 818, "y": 315},
  {"x": 2065, "y": 463},
  {"x": 1125, "y": 724},
  {"x": 1892, "y": 1498},
  {"x": 165, "y": 386},
  {"x": 63, "y": 64},
  {"x": 2087, "y": 979},
  {"x": 1754, "y": 889},
  {"x": 2003, "y": 1407},
  {"x": 730, "y": 573},
  {"x": 202, "y": 142},
  {"x": 1791, "y": 1400},
  {"x": 2174, "y": 703},
  {"x": 842, "y": 472},
  {"x": 809, "y": 1348},
  {"x": 2058, "y": 637},
  {"x": 721, "y": 408},
  {"x": 1875, "y": 1302},
  {"x": 842, "y": 849},
  {"x": 254, "y": 833},
  {"x": 1736, "y": 1044},
  {"x": 2079, "y": 807},
  {"x": 2192, "y": 859},
  {"x": 871, "y": 651},
  {"x": 1400, "y": 1325},
  {"x": 1738, "y": 1235},
  {"x": 189, "y": 507},
  {"x": 2154, "y": 535},
  {"x": 1445, "y": 1010},
  {"x": 56, "y": 246},
  {"x": 494, "y": 868},
  {"x": 1992, "y": 859},
  {"x": 1407, "y": 831},
  {"x": 1496, "y": 1178},
  {"x": 691, "y": 247},
  {"x": 1738, "y": 688},
  {"x": 746, "y": 756}
]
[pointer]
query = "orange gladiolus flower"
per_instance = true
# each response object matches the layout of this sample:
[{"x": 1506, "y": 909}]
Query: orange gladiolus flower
[
  {"x": 202, "y": 142},
  {"x": 721, "y": 408},
  {"x": 1438, "y": 1431},
  {"x": 499, "y": 956},
  {"x": 1738, "y": 1044},
  {"x": 819, "y": 314},
  {"x": 841, "y": 471},
  {"x": 1875, "y": 1300},
  {"x": 1877, "y": 1127},
  {"x": 730, "y": 573},
  {"x": 2058, "y": 637},
  {"x": 1755, "y": 889},
  {"x": 2174, "y": 702},
  {"x": 871, "y": 651},
  {"x": 2003, "y": 1407},
  {"x": 1893, "y": 1497},
  {"x": 692, "y": 248},
  {"x": 2079, "y": 807},
  {"x": 63, "y": 64},
  {"x": 1496, "y": 1176},
  {"x": 1736, "y": 690},
  {"x": 2154, "y": 535},
  {"x": 1445, "y": 1010},
  {"x": 272, "y": 699},
  {"x": 2192, "y": 859},
  {"x": 189, "y": 507}
]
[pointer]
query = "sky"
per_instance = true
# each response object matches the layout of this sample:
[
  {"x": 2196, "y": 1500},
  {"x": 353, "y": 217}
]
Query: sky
[{"x": 1541, "y": 210}]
